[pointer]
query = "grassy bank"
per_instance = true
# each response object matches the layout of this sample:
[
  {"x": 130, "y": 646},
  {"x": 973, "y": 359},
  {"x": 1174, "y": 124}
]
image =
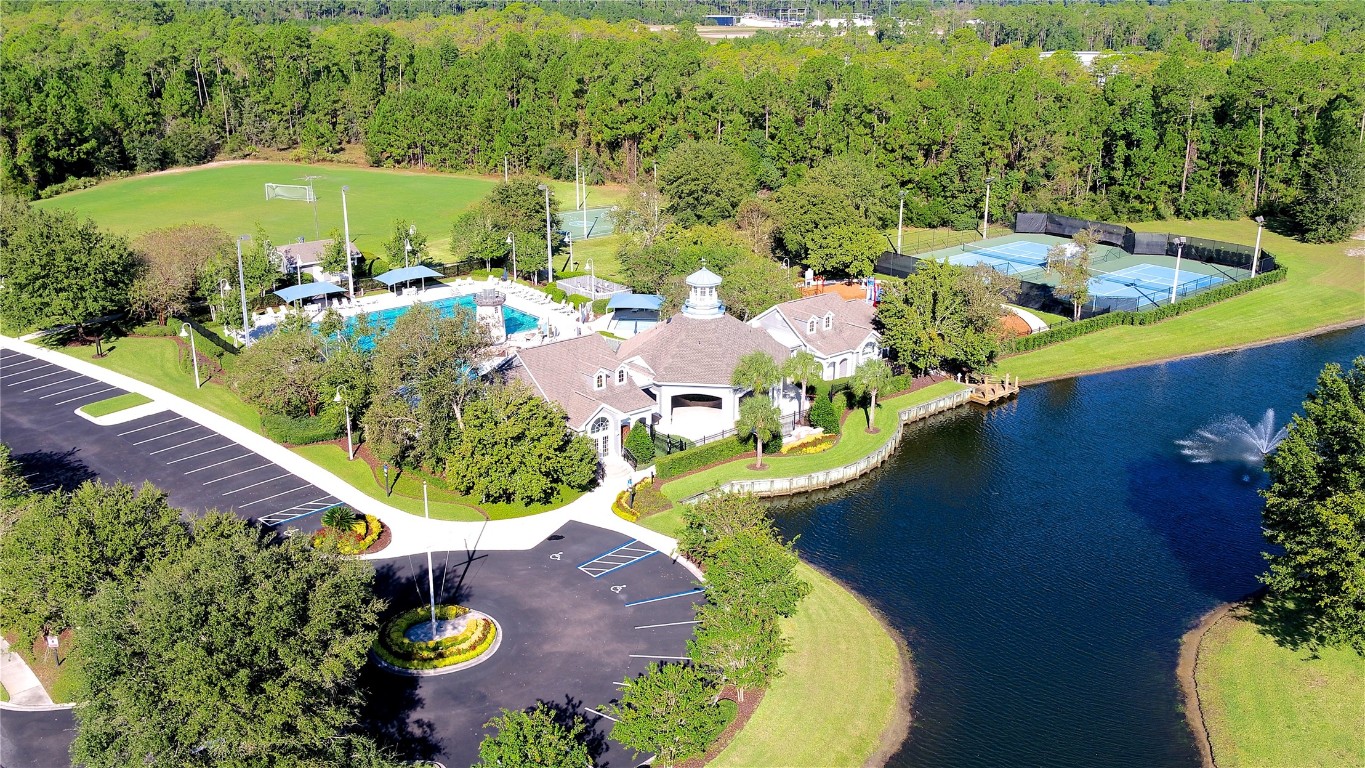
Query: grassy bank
[
  {"x": 115, "y": 404},
  {"x": 854, "y": 444},
  {"x": 1266, "y": 705},
  {"x": 1325, "y": 287},
  {"x": 837, "y": 692}
]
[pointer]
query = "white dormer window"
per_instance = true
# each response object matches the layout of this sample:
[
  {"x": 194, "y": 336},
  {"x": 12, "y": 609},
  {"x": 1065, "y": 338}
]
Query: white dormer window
[
  {"x": 600, "y": 380},
  {"x": 620, "y": 375},
  {"x": 829, "y": 320},
  {"x": 810, "y": 326}
]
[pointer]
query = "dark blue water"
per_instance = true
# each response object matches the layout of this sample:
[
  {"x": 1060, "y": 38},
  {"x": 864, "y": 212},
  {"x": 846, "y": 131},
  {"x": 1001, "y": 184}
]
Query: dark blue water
[{"x": 1043, "y": 558}]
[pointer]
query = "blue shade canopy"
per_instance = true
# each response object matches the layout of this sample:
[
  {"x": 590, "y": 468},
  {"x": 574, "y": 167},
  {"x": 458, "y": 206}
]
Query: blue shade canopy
[
  {"x": 635, "y": 301},
  {"x": 308, "y": 291},
  {"x": 407, "y": 273}
]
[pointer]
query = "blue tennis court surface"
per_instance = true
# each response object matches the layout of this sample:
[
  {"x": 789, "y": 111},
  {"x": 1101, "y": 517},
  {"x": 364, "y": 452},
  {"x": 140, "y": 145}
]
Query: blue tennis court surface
[
  {"x": 1010, "y": 258},
  {"x": 1149, "y": 282}
]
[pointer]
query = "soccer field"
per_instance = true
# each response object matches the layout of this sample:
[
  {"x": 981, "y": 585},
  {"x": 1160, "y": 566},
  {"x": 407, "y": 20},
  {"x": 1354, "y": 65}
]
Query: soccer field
[{"x": 233, "y": 197}]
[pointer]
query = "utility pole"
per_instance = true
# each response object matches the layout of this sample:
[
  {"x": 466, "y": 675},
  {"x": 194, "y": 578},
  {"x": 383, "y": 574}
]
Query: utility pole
[
  {"x": 986, "y": 210},
  {"x": 549, "y": 244},
  {"x": 241, "y": 283},
  {"x": 346, "y": 248}
]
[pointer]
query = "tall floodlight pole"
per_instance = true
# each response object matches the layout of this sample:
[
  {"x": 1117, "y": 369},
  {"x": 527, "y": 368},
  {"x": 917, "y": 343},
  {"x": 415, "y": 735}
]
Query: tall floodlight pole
[
  {"x": 346, "y": 222},
  {"x": 986, "y": 210},
  {"x": 313, "y": 198},
  {"x": 577, "y": 179},
  {"x": 186, "y": 333},
  {"x": 1179, "y": 251},
  {"x": 592, "y": 275},
  {"x": 350, "y": 449},
  {"x": 900, "y": 224},
  {"x": 568, "y": 240},
  {"x": 1256, "y": 259},
  {"x": 549, "y": 244},
  {"x": 512, "y": 241},
  {"x": 431, "y": 579},
  {"x": 241, "y": 284}
]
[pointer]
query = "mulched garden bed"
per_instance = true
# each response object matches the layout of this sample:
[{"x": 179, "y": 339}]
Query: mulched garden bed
[{"x": 742, "y": 715}]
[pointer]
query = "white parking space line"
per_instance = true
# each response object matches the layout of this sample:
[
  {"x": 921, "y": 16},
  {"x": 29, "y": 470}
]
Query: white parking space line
[
  {"x": 168, "y": 434},
  {"x": 149, "y": 426},
  {"x": 652, "y": 656},
  {"x": 204, "y": 453},
  {"x": 26, "y": 370},
  {"x": 87, "y": 394},
  {"x": 268, "y": 498},
  {"x": 51, "y": 384},
  {"x": 254, "y": 485},
  {"x": 599, "y": 714},
  {"x": 669, "y": 624},
  {"x": 182, "y": 445},
  {"x": 57, "y": 372},
  {"x": 243, "y": 472},
  {"x": 221, "y": 463},
  {"x": 69, "y": 389}
]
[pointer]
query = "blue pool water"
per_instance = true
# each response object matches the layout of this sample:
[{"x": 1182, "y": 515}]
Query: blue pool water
[{"x": 516, "y": 320}]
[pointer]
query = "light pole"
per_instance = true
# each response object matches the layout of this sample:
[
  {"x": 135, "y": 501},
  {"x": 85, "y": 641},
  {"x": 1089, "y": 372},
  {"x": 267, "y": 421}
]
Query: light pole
[
  {"x": 1179, "y": 251},
  {"x": 1256, "y": 259},
  {"x": 592, "y": 275},
  {"x": 431, "y": 580},
  {"x": 986, "y": 210},
  {"x": 568, "y": 240},
  {"x": 900, "y": 224},
  {"x": 407, "y": 243},
  {"x": 512, "y": 241},
  {"x": 346, "y": 222},
  {"x": 549, "y": 249},
  {"x": 186, "y": 333},
  {"x": 241, "y": 283},
  {"x": 350, "y": 448}
]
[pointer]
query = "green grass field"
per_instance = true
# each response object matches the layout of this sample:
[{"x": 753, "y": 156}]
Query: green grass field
[
  {"x": 233, "y": 197},
  {"x": 854, "y": 444},
  {"x": 1268, "y": 706},
  {"x": 1325, "y": 287},
  {"x": 115, "y": 404},
  {"x": 837, "y": 692}
]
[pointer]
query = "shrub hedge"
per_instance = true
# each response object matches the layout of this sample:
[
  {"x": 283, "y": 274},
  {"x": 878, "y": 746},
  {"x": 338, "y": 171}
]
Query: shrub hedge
[
  {"x": 695, "y": 458},
  {"x": 823, "y": 415},
  {"x": 304, "y": 430},
  {"x": 599, "y": 307},
  {"x": 640, "y": 445},
  {"x": 154, "y": 329},
  {"x": 1110, "y": 319},
  {"x": 622, "y": 510}
]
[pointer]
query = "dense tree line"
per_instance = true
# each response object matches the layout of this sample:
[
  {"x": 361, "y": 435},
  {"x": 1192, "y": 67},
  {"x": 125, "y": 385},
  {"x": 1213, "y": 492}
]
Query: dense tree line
[{"x": 1213, "y": 109}]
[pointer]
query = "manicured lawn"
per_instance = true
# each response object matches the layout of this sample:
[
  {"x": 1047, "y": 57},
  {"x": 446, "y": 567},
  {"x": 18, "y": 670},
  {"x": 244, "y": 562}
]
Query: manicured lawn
[
  {"x": 603, "y": 253},
  {"x": 1325, "y": 286},
  {"x": 115, "y": 404},
  {"x": 155, "y": 361},
  {"x": 1266, "y": 705},
  {"x": 854, "y": 444},
  {"x": 233, "y": 197},
  {"x": 836, "y": 694}
]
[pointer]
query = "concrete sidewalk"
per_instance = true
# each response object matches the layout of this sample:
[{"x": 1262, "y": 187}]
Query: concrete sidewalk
[
  {"x": 22, "y": 685},
  {"x": 411, "y": 534}
]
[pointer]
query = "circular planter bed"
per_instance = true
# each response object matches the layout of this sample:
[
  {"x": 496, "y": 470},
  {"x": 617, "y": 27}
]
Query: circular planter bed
[
  {"x": 464, "y": 638},
  {"x": 359, "y": 536}
]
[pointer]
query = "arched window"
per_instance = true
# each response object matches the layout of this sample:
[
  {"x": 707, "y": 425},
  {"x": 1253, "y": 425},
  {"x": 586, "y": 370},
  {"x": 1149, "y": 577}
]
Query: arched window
[
  {"x": 600, "y": 381},
  {"x": 599, "y": 425},
  {"x": 829, "y": 321},
  {"x": 810, "y": 326},
  {"x": 620, "y": 375}
]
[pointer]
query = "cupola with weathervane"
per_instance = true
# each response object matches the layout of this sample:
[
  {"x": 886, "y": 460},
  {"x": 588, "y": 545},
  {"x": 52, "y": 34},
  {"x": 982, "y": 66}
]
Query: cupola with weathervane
[{"x": 703, "y": 298}]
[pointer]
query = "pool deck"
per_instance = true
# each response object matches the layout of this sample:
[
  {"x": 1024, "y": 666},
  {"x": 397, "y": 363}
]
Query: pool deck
[{"x": 562, "y": 320}]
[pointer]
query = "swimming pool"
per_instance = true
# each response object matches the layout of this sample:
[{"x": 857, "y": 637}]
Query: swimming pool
[{"x": 516, "y": 320}]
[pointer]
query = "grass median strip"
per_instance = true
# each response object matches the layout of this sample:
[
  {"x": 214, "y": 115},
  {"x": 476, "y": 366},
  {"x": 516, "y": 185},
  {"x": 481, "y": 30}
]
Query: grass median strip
[
  {"x": 115, "y": 404},
  {"x": 854, "y": 444}
]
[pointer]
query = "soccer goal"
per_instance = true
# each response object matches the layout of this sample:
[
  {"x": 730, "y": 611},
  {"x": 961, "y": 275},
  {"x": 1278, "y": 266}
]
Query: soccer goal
[{"x": 290, "y": 192}]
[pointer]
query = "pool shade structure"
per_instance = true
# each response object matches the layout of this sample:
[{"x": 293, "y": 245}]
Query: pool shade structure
[
  {"x": 307, "y": 291},
  {"x": 407, "y": 275},
  {"x": 644, "y": 301}
]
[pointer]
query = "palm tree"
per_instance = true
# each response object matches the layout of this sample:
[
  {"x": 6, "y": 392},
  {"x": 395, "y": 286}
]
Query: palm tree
[
  {"x": 802, "y": 367},
  {"x": 339, "y": 518},
  {"x": 872, "y": 377},
  {"x": 760, "y": 418},
  {"x": 756, "y": 371}
]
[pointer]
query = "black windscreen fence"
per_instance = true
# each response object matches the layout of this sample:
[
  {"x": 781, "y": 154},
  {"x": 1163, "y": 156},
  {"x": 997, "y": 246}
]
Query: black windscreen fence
[{"x": 1146, "y": 243}]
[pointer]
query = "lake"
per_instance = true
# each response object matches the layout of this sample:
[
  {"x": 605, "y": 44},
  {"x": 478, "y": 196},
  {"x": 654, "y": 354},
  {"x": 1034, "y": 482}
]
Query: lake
[{"x": 1044, "y": 557}]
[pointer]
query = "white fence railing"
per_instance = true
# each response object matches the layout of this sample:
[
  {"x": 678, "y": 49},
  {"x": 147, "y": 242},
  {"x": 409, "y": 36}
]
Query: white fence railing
[{"x": 825, "y": 478}]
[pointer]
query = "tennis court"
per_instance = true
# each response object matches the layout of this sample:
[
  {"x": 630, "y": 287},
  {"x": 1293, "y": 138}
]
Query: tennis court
[
  {"x": 583, "y": 224},
  {"x": 1149, "y": 283},
  {"x": 1010, "y": 258}
]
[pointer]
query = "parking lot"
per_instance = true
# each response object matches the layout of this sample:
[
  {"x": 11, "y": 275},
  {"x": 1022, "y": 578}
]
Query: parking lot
[{"x": 198, "y": 467}]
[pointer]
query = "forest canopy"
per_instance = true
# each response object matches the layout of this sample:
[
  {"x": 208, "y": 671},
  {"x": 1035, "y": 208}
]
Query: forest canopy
[{"x": 1208, "y": 109}]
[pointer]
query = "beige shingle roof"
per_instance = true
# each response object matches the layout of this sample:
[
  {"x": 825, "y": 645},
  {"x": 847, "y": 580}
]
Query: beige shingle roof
[
  {"x": 852, "y": 321},
  {"x": 690, "y": 351},
  {"x": 563, "y": 372}
]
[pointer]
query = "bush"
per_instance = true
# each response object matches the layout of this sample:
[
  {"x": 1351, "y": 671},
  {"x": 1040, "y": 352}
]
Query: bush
[
  {"x": 823, "y": 415},
  {"x": 156, "y": 329},
  {"x": 811, "y": 444},
  {"x": 304, "y": 430},
  {"x": 640, "y": 445},
  {"x": 622, "y": 510},
  {"x": 70, "y": 185},
  {"x": 1149, "y": 317},
  {"x": 599, "y": 307},
  {"x": 695, "y": 458},
  {"x": 352, "y": 539},
  {"x": 578, "y": 300}
]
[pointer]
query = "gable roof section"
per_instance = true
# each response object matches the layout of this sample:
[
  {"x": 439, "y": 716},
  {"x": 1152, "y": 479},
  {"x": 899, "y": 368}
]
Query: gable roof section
[
  {"x": 852, "y": 322},
  {"x": 563, "y": 371},
  {"x": 687, "y": 350}
]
